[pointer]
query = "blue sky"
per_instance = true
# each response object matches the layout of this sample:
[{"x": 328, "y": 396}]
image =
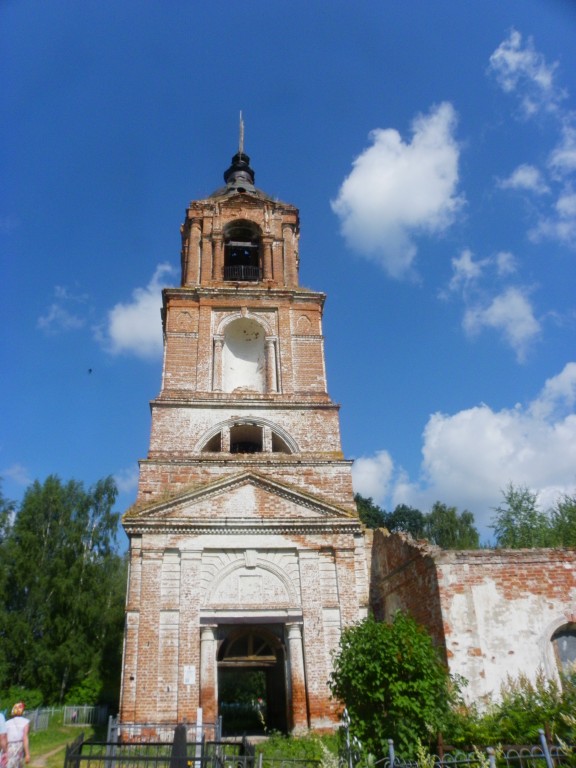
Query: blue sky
[{"x": 431, "y": 149}]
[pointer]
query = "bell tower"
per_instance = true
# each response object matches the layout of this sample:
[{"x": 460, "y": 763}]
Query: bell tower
[{"x": 246, "y": 552}]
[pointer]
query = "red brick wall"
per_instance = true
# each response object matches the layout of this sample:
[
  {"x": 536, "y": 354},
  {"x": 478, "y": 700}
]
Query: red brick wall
[{"x": 492, "y": 611}]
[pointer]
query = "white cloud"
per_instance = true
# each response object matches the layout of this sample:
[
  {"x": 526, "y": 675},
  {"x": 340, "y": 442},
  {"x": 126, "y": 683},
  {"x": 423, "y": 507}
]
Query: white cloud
[
  {"x": 134, "y": 327},
  {"x": 561, "y": 224},
  {"x": 505, "y": 263},
  {"x": 58, "y": 317},
  {"x": 525, "y": 177},
  {"x": 372, "y": 476},
  {"x": 398, "y": 190},
  {"x": 558, "y": 396},
  {"x": 466, "y": 271},
  {"x": 18, "y": 473},
  {"x": 470, "y": 456},
  {"x": 521, "y": 69},
  {"x": 127, "y": 479},
  {"x": 510, "y": 313},
  {"x": 562, "y": 160}
]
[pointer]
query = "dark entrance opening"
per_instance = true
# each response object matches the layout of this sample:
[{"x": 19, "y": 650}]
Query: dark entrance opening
[
  {"x": 252, "y": 680},
  {"x": 241, "y": 252}
]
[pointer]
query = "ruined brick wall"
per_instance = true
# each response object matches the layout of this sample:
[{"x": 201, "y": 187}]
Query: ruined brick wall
[
  {"x": 493, "y": 612},
  {"x": 500, "y": 610},
  {"x": 404, "y": 577}
]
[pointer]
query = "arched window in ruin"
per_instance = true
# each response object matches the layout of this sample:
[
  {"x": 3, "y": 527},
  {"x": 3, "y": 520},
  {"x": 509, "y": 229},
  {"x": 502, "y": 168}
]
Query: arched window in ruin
[
  {"x": 242, "y": 251},
  {"x": 564, "y": 644},
  {"x": 247, "y": 437}
]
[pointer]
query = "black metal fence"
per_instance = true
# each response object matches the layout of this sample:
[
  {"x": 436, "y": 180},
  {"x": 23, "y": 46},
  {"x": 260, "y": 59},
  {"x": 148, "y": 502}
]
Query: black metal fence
[
  {"x": 542, "y": 755},
  {"x": 204, "y": 754},
  {"x": 84, "y": 714},
  {"x": 161, "y": 732}
]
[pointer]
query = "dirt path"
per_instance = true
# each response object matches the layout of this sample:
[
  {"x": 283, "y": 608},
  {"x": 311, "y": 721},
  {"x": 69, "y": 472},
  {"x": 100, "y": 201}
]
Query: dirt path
[{"x": 39, "y": 761}]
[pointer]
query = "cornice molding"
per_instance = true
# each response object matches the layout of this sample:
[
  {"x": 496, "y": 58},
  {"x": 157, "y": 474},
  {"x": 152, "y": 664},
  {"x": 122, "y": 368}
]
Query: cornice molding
[
  {"x": 236, "y": 526},
  {"x": 224, "y": 290}
]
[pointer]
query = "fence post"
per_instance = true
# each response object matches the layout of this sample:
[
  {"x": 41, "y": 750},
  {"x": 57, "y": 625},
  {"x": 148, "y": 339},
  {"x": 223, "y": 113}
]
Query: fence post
[
  {"x": 179, "y": 755},
  {"x": 545, "y": 749},
  {"x": 198, "y": 739},
  {"x": 218, "y": 733},
  {"x": 491, "y": 757},
  {"x": 348, "y": 745},
  {"x": 391, "y": 755}
]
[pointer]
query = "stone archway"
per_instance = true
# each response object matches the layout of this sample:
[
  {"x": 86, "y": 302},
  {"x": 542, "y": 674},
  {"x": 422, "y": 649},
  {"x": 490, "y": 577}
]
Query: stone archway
[{"x": 252, "y": 691}]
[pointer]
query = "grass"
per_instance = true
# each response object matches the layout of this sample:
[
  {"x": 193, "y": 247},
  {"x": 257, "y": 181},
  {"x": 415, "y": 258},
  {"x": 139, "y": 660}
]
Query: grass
[
  {"x": 311, "y": 747},
  {"x": 47, "y": 747}
]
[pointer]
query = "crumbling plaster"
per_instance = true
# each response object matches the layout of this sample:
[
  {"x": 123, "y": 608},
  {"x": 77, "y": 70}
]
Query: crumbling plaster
[{"x": 491, "y": 612}]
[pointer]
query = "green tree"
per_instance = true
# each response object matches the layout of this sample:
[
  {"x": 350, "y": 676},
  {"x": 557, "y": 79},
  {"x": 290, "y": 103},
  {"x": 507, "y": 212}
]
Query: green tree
[
  {"x": 63, "y": 602},
  {"x": 563, "y": 522},
  {"x": 6, "y": 517},
  {"x": 407, "y": 519},
  {"x": 392, "y": 681},
  {"x": 368, "y": 512},
  {"x": 519, "y": 523},
  {"x": 449, "y": 529}
]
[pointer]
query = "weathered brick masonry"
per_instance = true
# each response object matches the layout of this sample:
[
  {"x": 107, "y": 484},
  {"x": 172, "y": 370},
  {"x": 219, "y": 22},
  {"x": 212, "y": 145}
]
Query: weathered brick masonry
[
  {"x": 245, "y": 532},
  {"x": 246, "y": 551},
  {"x": 493, "y": 613}
]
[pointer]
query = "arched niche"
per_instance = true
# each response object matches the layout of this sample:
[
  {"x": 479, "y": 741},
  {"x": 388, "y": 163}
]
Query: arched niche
[
  {"x": 244, "y": 356},
  {"x": 244, "y": 586}
]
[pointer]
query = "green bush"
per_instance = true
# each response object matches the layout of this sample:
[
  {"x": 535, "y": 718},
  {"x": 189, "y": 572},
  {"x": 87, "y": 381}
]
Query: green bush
[
  {"x": 308, "y": 747},
  {"x": 393, "y": 684},
  {"x": 525, "y": 707},
  {"x": 87, "y": 691}
]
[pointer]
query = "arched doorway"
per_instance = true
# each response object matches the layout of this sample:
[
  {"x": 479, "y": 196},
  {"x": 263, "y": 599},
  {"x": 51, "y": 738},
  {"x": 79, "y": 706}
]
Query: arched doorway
[{"x": 252, "y": 680}]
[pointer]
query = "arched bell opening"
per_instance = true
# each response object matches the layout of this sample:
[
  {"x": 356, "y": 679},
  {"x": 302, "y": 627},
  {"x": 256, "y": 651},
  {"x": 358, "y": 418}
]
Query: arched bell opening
[
  {"x": 242, "y": 251},
  {"x": 252, "y": 681}
]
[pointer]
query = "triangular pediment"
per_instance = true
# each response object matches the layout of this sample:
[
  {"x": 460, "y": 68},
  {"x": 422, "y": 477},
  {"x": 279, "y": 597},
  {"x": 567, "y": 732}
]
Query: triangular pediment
[{"x": 246, "y": 497}]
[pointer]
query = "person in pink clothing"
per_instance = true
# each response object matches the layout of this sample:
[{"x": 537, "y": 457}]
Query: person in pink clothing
[
  {"x": 3, "y": 742},
  {"x": 17, "y": 729}
]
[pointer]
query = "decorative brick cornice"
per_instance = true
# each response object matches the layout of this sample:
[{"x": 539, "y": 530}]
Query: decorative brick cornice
[
  {"x": 235, "y": 460},
  {"x": 177, "y": 398},
  {"x": 223, "y": 293},
  {"x": 237, "y": 526}
]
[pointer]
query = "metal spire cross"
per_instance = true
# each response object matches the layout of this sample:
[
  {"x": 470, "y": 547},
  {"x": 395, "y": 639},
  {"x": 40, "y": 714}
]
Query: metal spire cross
[{"x": 241, "y": 140}]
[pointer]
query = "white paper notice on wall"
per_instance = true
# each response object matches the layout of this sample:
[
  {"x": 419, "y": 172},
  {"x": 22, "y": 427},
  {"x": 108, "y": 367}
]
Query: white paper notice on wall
[{"x": 189, "y": 674}]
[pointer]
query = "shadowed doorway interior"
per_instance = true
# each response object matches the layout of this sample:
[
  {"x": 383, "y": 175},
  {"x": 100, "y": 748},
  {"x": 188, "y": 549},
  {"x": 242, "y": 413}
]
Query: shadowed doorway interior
[{"x": 252, "y": 680}]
